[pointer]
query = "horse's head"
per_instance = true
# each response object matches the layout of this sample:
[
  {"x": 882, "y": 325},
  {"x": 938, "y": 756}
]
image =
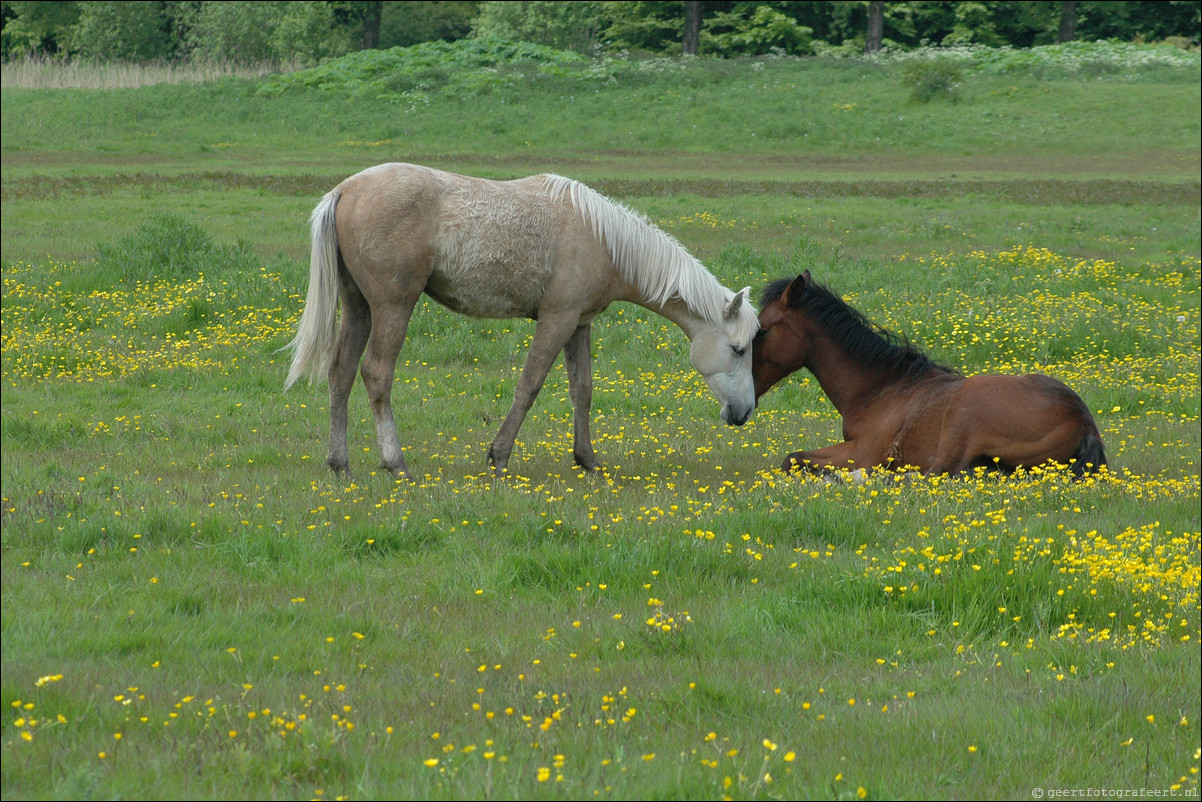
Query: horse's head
[
  {"x": 781, "y": 346},
  {"x": 721, "y": 353}
]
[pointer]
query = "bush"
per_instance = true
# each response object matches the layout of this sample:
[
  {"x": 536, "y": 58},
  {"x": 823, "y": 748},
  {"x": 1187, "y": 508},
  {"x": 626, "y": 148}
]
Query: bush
[
  {"x": 929, "y": 80},
  {"x": 389, "y": 74},
  {"x": 169, "y": 247}
]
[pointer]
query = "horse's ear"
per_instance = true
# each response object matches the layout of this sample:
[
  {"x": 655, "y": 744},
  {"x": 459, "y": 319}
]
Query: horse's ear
[
  {"x": 797, "y": 288},
  {"x": 736, "y": 303}
]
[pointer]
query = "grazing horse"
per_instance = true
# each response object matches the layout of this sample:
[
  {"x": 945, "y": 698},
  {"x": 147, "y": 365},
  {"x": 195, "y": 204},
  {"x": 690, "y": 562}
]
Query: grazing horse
[
  {"x": 544, "y": 247},
  {"x": 902, "y": 410}
]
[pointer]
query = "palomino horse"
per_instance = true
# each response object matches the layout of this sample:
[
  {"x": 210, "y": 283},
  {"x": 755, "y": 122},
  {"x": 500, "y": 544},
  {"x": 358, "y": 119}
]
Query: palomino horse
[
  {"x": 900, "y": 409},
  {"x": 544, "y": 247}
]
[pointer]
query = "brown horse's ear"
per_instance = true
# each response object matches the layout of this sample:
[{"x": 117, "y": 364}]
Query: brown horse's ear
[{"x": 796, "y": 289}]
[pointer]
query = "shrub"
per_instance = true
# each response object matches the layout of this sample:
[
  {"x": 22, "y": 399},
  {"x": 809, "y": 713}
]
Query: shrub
[
  {"x": 929, "y": 80},
  {"x": 168, "y": 247}
]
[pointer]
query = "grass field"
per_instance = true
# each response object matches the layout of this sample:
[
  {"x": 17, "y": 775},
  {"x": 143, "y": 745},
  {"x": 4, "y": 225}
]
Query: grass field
[{"x": 194, "y": 607}]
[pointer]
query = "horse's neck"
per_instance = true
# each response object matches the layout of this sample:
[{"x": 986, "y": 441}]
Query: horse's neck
[
  {"x": 674, "y": 310},
  {"x": 848, "y": 384},
  {"x": 678, "y": 312}
]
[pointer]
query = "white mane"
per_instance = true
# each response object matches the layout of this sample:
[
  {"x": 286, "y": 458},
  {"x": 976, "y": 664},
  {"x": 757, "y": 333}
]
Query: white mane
[{"x": 649, "y": 257}]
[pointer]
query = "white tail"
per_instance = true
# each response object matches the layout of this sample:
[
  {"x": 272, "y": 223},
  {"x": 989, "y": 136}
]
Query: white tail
[{"x": 313, "y": 347}]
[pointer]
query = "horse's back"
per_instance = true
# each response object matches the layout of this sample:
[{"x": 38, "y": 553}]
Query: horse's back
[{"x": 480, "y": 247}]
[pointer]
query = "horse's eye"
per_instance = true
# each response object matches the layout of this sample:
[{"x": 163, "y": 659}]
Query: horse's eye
[{"x": 739, "y": 351}]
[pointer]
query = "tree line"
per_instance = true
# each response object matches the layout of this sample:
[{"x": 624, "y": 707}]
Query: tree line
[{"x": 311, "y": 31}]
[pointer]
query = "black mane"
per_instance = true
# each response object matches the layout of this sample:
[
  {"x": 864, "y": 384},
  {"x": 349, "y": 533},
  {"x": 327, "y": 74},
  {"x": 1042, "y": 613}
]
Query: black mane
[{"x": 863, "y": 340}]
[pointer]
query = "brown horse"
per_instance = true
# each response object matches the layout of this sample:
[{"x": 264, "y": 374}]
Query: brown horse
[
  {"x": 544, "y": 247},
  {"x": 900, "y": 409}
]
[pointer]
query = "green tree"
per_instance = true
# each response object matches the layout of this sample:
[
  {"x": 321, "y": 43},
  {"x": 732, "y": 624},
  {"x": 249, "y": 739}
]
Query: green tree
[
  {"x": 974, "y": 24},
  {"x": 406, "y": 24},
  {"x": 307, "y": 32},
  {"x": 223, "y": 30},
  {"x": 753, "y": 32},
  {"x": 36, "y": 26},
  {"x": 656, "y": 27},
  {"x": 128, "y": 31},
  {"x": 312, "y": 31},
  {"x": 562, "y": 24}
]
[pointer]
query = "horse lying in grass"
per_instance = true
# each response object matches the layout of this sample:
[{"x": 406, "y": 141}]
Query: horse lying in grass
[
  {"x": 900, "y": 409},
  {"x": 544, "y": 247}
]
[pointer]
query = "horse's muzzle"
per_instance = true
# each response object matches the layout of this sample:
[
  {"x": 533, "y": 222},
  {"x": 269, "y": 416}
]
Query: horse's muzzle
[{"x": 737, "y": 418}]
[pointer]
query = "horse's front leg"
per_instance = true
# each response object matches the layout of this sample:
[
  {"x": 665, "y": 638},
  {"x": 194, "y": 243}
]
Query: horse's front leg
[
  {"x": 550, "y": 336},
  {"x": 577, "y": 359},
  {"x": 847, "y": 454}
]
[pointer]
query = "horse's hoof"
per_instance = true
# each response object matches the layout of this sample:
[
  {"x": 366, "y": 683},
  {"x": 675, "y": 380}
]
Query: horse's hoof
[
  {"x": 400, "y": 472},
  {"x": 591, "y": 465},
  {"x": 339, "y": 467},
  {"x": 498, "y": 461}
]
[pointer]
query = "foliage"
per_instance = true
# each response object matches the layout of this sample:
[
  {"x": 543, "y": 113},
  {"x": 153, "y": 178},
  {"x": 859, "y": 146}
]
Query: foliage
[
  {"x": 480, "y": 64},
  {"x": 1112, "y": 60},
  {"x": 974, "y": 25},
  {"x": 231, "y": 31},
  {"x": 929, "y": 80},
  {"x": 410, "y": 23},
  {"x": 765, "y": 31},
  {"x": 110, "y": 30},
  {"x": 36, "y": 27},
  {"x": 168, "y": 247},
  {"x": 311, "y": 31},
  {"x": 466, "y": 65},
  {"x": 560, "y": 24},
  {"x": 275, "y": 31},
  {"x": 308, "y": 32},
  {"x": 643, "y": 26}
]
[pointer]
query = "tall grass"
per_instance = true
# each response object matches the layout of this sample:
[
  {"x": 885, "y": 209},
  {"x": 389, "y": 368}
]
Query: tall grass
[{"x": 44, "y": 72}]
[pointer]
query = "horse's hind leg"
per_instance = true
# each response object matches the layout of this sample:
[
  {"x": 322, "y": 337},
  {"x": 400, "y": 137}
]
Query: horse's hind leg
[
  {"x": 550, "y": 336},
  {"x": 389, "y": 325},
  {"x": 577, "y": 359},
  {"x": 352, "y": 337}
]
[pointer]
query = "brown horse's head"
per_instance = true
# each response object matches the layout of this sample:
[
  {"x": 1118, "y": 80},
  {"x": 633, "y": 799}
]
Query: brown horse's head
[{"x": 781, "y": 346}]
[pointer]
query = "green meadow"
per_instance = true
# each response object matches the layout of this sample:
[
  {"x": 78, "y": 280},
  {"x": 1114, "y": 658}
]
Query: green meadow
[{"x": 195, "y": 607}]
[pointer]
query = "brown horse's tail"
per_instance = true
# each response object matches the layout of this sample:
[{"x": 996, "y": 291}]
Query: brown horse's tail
[
  {"x": 313, "y": 347},
  {"x": 1090, "y": 456}
]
